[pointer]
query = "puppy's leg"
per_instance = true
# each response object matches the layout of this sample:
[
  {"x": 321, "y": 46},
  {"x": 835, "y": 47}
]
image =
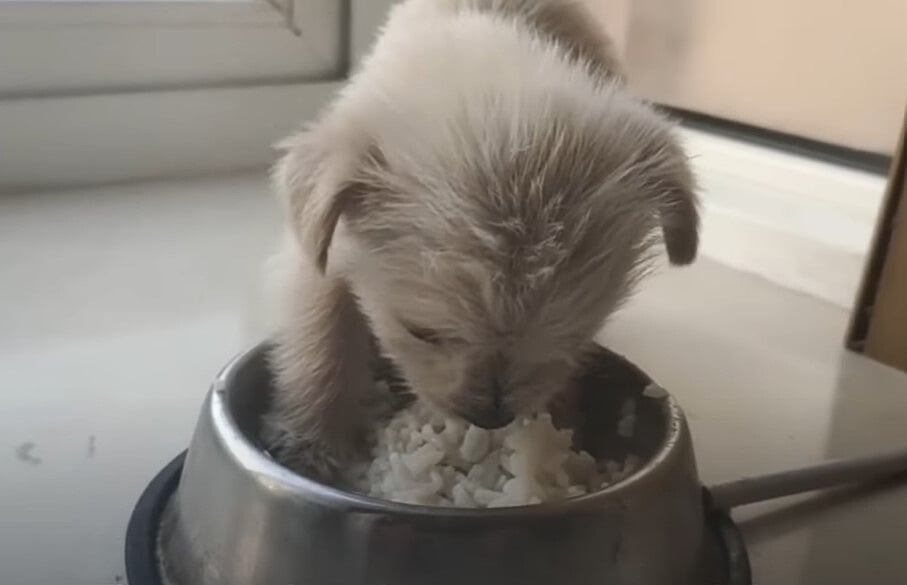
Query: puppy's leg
[{"x": 322, "y": 365}]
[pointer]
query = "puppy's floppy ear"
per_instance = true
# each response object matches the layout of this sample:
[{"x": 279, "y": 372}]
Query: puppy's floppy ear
[
  {"x": 673, "y": 185},
  {"x": 316, "y": 179},
  {"x": 679, "y": 213}
]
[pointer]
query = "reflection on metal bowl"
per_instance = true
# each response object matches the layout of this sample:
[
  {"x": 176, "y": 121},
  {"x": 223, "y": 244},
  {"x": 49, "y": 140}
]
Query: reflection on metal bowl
[{"x": 239, "y": 518}]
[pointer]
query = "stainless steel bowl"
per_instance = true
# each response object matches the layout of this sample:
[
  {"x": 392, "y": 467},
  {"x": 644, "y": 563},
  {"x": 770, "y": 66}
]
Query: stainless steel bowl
[{"x": 239, "y": 518}]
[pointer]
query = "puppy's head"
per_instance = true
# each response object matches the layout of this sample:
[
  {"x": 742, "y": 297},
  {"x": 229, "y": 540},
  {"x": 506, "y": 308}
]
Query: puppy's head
[{"x": 488, "y": 244}]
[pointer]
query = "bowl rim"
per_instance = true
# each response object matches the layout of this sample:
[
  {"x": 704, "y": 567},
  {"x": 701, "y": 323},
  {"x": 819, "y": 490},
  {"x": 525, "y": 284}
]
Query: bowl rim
[{"x": 277, "y": 478}]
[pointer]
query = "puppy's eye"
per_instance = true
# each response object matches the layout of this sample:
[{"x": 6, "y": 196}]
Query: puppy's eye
[{"x": 425, "y": 335}]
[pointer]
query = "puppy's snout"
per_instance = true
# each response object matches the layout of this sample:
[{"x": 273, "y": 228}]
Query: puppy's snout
[{"x": 494, "y": 415}]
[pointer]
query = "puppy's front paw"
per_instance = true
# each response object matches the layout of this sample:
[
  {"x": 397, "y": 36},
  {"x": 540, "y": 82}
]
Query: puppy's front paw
[
  {"x": 313, "y": 460},
  {"x": 311, "y": 454}
]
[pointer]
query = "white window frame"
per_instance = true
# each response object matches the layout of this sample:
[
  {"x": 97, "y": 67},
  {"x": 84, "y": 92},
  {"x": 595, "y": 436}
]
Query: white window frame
[
  {"x": 108, "y": 124},
  {"x": 83, "y": 47}
]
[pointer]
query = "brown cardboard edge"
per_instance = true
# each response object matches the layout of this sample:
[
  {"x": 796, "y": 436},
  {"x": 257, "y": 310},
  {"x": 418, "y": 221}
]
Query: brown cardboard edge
[{"x": 861, "y": 318}]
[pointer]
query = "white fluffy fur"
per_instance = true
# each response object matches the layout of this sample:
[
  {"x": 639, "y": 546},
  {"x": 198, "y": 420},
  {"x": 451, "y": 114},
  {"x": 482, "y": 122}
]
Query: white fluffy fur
[{"x": 476, "y": 202}]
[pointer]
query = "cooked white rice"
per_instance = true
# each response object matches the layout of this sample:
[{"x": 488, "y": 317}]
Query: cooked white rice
[{"x": 420, "y": 457}]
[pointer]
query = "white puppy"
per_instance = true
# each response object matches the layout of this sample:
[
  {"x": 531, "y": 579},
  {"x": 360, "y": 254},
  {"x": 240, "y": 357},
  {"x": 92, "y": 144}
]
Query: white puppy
[{"x": 478, "y": 200}]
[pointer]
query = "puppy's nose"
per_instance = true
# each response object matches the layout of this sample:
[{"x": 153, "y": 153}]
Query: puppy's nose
[
  {"x": 493, "y": 414},
  {"x": 491, "y": 418}
]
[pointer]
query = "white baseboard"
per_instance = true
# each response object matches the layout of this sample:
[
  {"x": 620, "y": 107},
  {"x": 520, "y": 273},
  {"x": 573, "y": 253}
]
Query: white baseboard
[
  {"x": 85, "y": 140},
  {"x": 800, "y": 223}
]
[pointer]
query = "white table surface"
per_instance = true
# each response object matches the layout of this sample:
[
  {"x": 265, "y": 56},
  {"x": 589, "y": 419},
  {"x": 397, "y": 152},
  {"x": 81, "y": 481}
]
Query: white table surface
[{"x": 118, "y": 306}]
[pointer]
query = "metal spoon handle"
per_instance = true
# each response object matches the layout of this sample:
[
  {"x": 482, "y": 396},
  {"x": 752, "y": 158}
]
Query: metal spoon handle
[{"x": 750, "y": 490}]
